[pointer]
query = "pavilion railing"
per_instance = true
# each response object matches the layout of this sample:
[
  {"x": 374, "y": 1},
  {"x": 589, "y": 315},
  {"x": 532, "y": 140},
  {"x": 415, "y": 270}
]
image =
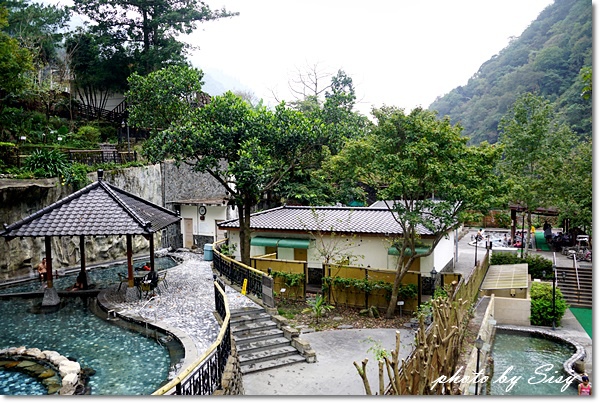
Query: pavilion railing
[
  {"x": 258, "y": 284},
  {"x": 204, "y": 376}
]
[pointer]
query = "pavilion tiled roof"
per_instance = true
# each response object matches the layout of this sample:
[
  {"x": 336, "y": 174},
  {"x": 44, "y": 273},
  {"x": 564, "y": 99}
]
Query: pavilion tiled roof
[
  {"x": 354, "y": 220},
  {"x": 97, "y": 209}
]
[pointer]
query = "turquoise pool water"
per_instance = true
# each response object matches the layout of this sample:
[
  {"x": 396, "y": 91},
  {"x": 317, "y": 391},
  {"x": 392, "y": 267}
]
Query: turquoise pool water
[
  {"x": 102, "y": 276},
  {"x": 529, "y": 365},
  {"x": 126, "y": 362}
]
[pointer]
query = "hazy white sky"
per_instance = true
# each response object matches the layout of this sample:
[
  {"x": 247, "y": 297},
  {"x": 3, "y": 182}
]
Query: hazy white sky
[{"x": 398, "y": 53}]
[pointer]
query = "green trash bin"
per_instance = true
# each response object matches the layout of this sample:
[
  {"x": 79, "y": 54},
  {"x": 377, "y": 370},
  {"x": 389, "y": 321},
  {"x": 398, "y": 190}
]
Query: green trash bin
[{"x": 208, "y": 252}]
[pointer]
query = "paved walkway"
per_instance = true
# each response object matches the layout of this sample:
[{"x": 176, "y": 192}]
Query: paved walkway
[{"x": 186, "y": 309}]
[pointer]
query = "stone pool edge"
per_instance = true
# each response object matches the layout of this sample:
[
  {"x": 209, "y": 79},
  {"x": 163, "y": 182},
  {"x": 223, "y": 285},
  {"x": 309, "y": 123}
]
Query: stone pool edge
[
  {"x": 568, "y": 365},
  {"x": 187, "y": 343}
]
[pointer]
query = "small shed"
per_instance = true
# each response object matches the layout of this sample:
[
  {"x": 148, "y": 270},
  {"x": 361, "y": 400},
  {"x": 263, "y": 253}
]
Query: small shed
[{"x": 98, "y": 209}]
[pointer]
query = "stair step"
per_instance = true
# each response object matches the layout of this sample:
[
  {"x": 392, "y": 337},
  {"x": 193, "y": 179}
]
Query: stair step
[
  {"x": 246, "y": 327},
  {"x": 244, "y": 319},
  {"x": 247, "y": 310},
  {"x": 264, "y": 365},
  {"x": 260, "y": 345},
  {"x": 263, "y": 355},
  {"x": 253, "y": 336}
]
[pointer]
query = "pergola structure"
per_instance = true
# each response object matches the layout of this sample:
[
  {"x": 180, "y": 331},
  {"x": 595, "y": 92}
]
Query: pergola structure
[
  {"x": 98, "y": 209},
  {"x": 517, "y": 208}
]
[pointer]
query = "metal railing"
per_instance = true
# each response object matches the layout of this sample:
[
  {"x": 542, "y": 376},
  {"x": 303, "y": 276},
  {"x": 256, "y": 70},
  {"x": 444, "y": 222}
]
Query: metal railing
[
  {"x": 575, "y": 266},
  {"x": 236, "y": 272},
  {"x": 204, "y": 376}
]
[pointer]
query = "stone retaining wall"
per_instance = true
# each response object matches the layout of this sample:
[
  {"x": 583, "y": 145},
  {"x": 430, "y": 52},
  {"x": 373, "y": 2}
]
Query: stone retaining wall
[{"x": 57, "y": 373}]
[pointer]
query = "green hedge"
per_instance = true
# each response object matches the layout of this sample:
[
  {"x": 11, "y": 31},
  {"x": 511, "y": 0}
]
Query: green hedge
[{"x": 536, "y": 263}]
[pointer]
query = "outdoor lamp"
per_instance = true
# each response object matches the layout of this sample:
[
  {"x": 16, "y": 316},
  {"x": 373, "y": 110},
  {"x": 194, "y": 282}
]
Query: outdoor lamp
[
  {"x": 23, "y": 138},
  {"x": 478, "y": 346},
  {"x": 433, "y": 276},
  {"x": 543, "y": 274},
  {"x": 564, "y": 276}
]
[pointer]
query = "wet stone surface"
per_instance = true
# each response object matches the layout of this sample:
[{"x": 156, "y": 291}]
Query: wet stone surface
[{"x": 187, "y": 303}]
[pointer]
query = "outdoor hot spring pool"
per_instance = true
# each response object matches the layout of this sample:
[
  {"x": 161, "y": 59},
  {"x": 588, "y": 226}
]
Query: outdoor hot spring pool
[
  {"x": 126, "y": 362},
  {"x": 101, "y": 276},
  {"x": 526, "y": 364}
]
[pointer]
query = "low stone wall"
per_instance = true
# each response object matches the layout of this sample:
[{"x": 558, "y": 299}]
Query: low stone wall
[
  {"x": 231, "y": 383},
  {"x": 57, "y": 373}
]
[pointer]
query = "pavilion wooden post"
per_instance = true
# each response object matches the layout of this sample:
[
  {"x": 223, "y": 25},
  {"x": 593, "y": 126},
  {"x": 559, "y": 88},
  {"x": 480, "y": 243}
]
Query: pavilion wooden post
[
  {"x": 82, "y": 251},
  {"x": 48, "y": 245},
  {"x": 130, "y": 261},
  {"x": 151, "y": 240}
]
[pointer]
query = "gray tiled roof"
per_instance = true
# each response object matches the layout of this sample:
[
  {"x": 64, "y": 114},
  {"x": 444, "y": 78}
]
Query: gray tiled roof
[
  {"x": 97, "y": 209},
  {"x": 356, "y": 220}
]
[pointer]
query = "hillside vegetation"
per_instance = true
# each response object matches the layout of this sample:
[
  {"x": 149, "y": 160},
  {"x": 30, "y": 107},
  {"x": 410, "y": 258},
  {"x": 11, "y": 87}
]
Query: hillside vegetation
[{"x": 546, "y": 60}]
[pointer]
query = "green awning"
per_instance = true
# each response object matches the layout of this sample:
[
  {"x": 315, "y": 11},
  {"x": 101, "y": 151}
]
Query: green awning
[
  {"x": 294, "y": 243},
  {"x": 280, "y": 242},
  {"x": 407, "y": 252},
  {"x": 262, "y": 241}
]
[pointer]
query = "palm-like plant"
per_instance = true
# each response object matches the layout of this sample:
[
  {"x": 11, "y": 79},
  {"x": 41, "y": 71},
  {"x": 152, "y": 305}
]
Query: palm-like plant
[{"x": 318, "y": 306}]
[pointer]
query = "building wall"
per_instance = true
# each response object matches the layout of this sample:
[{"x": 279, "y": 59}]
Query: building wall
[
  {"x": 368, "y": 250},
  {"x": 512, "y": 311}
]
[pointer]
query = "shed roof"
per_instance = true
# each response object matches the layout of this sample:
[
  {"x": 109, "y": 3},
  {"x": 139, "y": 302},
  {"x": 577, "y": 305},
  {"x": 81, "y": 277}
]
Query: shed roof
[
  {"x": 506, "y": 276},
  {"x": 355, "y": 220},
  {"x": 97, "y": 209}
]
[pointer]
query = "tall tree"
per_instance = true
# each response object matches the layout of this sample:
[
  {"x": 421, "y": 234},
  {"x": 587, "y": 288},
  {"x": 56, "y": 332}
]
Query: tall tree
[
  {"x": 15, "y": 65},
  {"x": 247, "y": 150},
  {"x": 163, "y": 97},
  {"x": 38, "y": 27},
  {"x": 99, "y": 66},
  {"x": 533, "y": 147},
  {"x": 149, "y": 28},
  {"x": 430, "y": 177}
]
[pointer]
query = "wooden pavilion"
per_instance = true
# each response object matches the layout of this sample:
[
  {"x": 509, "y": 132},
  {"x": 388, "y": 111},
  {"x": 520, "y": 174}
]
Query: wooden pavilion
[{"x": 98, "y": 209}]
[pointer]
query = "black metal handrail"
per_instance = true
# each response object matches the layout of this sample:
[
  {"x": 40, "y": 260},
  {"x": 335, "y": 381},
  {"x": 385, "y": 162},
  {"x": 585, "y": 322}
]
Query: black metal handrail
[
  {"x": 204, "y": 376},
  {"x": 236, "y": 272}
]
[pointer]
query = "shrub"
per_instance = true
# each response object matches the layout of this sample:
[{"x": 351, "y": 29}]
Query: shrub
[
  {"x": 87, "y": 136},
  {"x": 541, "y": 304},
  {"x": 75, "y": 175},
  {"x": 46, "y": 163},
  {"x": 536, "y": 263}
]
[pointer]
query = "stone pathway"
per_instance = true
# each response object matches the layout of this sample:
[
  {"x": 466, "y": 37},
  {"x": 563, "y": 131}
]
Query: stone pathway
[{"x": 187, "y": 305}]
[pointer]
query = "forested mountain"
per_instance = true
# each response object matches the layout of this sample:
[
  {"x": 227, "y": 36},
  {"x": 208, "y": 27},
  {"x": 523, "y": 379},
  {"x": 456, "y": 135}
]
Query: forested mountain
[{"x": 546, "y": 60}]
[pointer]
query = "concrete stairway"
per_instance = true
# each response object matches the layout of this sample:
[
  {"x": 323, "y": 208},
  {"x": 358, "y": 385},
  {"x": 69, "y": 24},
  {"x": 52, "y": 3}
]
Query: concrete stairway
[
  {"x": 575, "y": 297},
  {"x": 261, "y": 344}
]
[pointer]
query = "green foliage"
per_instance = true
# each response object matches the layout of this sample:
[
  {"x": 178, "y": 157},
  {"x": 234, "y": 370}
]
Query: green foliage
[
  {"x": 149, "y": 28},
  {"x": 46, "y": 163},
  {"x": 536, "y": 264},
  {"x": 76, "y": 175},
  {"x": 502, "y": 220},
  {"x": 87, "y": 136},
  {"x": 248, "y": 151},
  {"x": 377, "y": 348},
  {"x": 291, "y": 280},
  {"x": 15, "y": 63},
  {"x": 547, "y": 57},
  {"x": 162, "y": 97},
  {"x": 541, "y": 305},
  {"x": 405, "y": 291},
  {"x": 535, "y": 154},
  {"x": 228, "y": 249},
  {"x": 409, "y": 158},
  {"x": 318, "y": 306}
]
